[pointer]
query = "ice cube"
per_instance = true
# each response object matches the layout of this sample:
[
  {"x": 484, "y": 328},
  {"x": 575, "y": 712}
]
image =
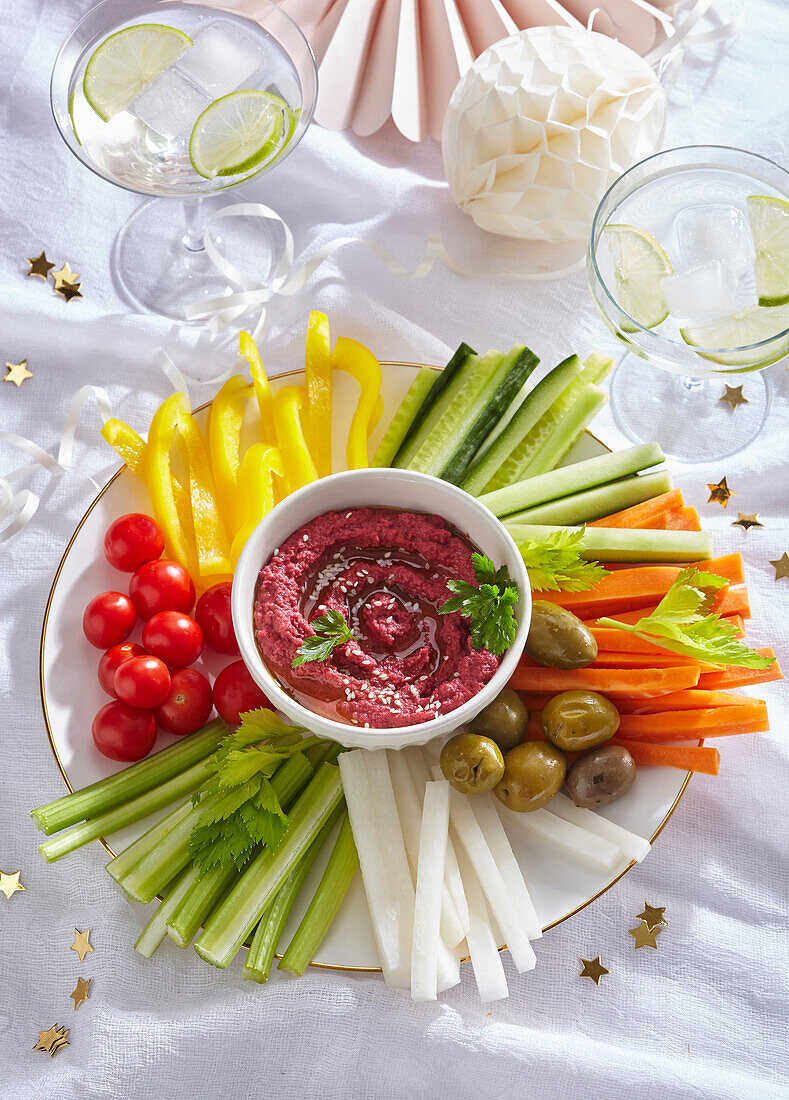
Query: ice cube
[
  {"x": 701, "y": 293},
  {"x": 715, "y": 231},
  {"x": 170, "y": 105},
  {"x": 221, "y": 59}
]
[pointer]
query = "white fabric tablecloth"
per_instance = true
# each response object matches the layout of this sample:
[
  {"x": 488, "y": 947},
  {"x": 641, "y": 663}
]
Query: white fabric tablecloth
[{"x": 703, "y": 1016}]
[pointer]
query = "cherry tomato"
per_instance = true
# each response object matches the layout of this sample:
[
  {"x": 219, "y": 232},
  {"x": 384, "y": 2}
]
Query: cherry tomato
[
  {"x": 213, "y": 615},
  {"x": 112, "y": 660},
  {"x": 123, "y": 732},
  {"x": 142, "y": 681},
  {"x": 236, "y": 692},
  {"x": 161, "y": 586},
  {"x": 132, "y": 540},
  {"x": 173, "y": 637},
  {"x": 188, "y": 704},
  {"x": 108, "y": 619}
]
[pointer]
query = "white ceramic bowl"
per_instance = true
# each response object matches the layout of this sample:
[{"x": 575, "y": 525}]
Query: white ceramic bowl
[{"x": 386, "y": 489}]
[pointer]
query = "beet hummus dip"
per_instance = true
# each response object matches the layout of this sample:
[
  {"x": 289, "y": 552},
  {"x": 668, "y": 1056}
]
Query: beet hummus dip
[{"x": 386, "y": 572}]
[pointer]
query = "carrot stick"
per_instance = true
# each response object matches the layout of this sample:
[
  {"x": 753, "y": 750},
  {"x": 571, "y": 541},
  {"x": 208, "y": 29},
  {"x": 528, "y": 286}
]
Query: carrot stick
[
  {"x": 684, "y": 725},
  {"x": 609, "y": 659},
  {"x": 610, "y": 640},
  {"x": 682, "y": 519},
  {"x": 691, "y": 758},
  {"x": 691, "y": 699},
  {"x": 625, "y": 682},
  {"x": 735, "y": 602},
  {"x": 734, "y": 676},
  {"x": 640, "y": 514}
]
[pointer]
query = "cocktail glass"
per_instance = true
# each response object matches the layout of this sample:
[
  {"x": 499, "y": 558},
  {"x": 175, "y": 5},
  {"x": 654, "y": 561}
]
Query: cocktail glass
[
  {"x": 671, "y": 385},
  {"x": 159, "y": 259}
]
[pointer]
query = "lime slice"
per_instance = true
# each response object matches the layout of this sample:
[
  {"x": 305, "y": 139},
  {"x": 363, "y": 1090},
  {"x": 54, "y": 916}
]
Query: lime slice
[
  {"x": 237, "y": 132},
  {"x": 751, "y": 325},
  {"x": 639, "y": 265},
  {"x": 769, "y": 220},
  {"x": 129, "y": 61}
]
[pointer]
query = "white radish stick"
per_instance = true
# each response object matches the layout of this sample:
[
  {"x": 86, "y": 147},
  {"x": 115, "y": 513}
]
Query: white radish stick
[
  {"x": 448, "y": 967},
  {"x": 466, "y": 828},
  {"x": 485, "y": 955},
  {"x": 421, "y": 775},
  {"x": 385, "y": 874},
  {"x": 429, "y": 881},
  {"x": 409, "y": 807},
  {"x": 576, "y": 842},
  {"x": 487, "y": 815},
  {"x": 631, "y": 844}
]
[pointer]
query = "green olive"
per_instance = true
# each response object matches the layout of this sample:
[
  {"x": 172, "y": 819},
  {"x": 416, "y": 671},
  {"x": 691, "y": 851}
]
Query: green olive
[
  {"x": 578, "y": 720},
  {"x": 559, "y": 639},
  {"x": 533, "y": 773},
  {"x": 471, "y": 763},
  {"x": 503, "y": 721},
  {"x": 601, "y": 777}
]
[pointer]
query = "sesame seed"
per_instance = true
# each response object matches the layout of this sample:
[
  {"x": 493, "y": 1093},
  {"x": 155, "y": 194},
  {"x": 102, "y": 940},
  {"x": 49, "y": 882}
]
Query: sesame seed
[
  {"x": 348, "y": 515},
  {"x": 305, "y": 538}
]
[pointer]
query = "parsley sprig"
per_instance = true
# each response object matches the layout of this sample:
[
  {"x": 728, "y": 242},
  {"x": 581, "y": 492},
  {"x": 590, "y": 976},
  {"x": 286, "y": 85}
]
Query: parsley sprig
[
  {"x": 682, "y": 623},
  {"x": 490, "y": 607},
  {"x": 331, "y": 630},
  {"x": 555, "y": 564}
]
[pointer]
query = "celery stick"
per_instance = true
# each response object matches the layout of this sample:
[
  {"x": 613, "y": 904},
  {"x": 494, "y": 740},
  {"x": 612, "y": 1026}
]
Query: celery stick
[
  {"x": 325, "y": 903},
  {"x": 489, "y": 821},
  {"x": 156, "y": 929},
  {"x": 566, "y": 432},
  {"x": 558, "y": 484},
  {"x": 633, "y": 846},
  {"x": 126, "y": 814},
  {"x": 595, "y": 503},
  {"x": 429, "y": 882},
  {"x": 482, "y": 947},
  {"x": 125, "y": 860},
  {"x": 233, "y": 920},
  {"x": 623, "y": 544},
  {"x": 267, "y": 934},
  {"x": 169, "y": 856},
  {"x": 106, "y": 794},
  {"x": 405, "y": 416},
  {"x": 571, "y": 839}
]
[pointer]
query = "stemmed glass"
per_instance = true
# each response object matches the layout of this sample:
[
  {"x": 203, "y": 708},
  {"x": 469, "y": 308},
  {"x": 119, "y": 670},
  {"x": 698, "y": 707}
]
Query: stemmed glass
[
  {"x": 159, "y": 260},
  {"x": 692, "y": 276}
]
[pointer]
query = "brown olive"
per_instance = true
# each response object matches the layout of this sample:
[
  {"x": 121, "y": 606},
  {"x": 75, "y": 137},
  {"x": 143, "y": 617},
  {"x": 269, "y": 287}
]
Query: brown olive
[
  {"x": 578, "y": 720},
  {"x": 503, "y": 721},
  {"x": 601, "y": 777},
  {"x": 559, "y": 639},
  {"x": 471, "y": 763},
  {"x": 533, "y": 773}
]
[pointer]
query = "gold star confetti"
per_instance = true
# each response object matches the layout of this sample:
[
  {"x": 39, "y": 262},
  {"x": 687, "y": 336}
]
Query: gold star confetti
[
  {"x": 81, "y": 993},
  {"x": 747, "y": 522},
  {"x": 720, "y": 493},
  {"x": 644, "y": 935},
  {"x": 69, "y": 290},
  {"x": 593, "y": 968},
  {"x": 65, "y": 275},
  {"x": 9, "y": 884},
  {"x": 652, "y": 916},
  {"x": 53, "y": 1040},
  {"x": 734, "y": 397},
  {"x": 81, "y": 943},
  {"x": 781, "y": 566},
  {"x": 17, "y": 373},
  {"x": 39, "y": 266}
]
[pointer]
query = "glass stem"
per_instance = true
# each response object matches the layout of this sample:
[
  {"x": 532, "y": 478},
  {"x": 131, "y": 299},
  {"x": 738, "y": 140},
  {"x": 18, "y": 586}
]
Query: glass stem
[
  {"x": 691, "y": 383},
  {"x": 195, "y": 229}
]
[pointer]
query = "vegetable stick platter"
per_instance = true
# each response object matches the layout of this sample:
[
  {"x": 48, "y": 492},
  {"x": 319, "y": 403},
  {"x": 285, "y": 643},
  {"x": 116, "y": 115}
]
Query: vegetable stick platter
[{"x": 560, "y": 884}]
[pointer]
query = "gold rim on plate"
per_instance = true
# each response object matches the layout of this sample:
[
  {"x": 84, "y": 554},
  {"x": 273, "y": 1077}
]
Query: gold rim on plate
[{"x": 103, "y": 842}]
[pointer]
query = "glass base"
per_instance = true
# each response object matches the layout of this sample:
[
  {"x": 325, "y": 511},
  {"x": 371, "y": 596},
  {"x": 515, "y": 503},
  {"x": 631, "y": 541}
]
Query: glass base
[
  {"x": 159, "y": 265},
  {"x": 686, "y": 415}
]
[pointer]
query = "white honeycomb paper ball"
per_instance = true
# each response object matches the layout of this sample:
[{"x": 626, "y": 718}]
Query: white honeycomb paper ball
[{"x": 542, "y": 124}]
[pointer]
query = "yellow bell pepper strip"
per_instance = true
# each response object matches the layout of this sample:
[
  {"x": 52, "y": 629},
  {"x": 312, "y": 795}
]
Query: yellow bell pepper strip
[
  {"x": 174, "y": 522},
  {"x": 248, "y": 349},
  {"x": 256, "y": 486},
  {"x": 299, "y": 467},
  {"x": 317, "y": 370},
  {"x": 224, "y": 437},
  {"x": 354, "y": 358},
  {"x": 125, "y": 441},
  {"x": 211, "y": 538}
]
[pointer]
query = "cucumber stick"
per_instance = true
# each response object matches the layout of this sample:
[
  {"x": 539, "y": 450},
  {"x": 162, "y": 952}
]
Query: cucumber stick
[
  {"x": 445, "y": 378},
  {"x": 623, "y": 545},
  {"x": 406, "y": 413},
  {"x": 572, "y": 479},
  {"x": 501, "y": 464},
  {"x": 595, "y": 503}
]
